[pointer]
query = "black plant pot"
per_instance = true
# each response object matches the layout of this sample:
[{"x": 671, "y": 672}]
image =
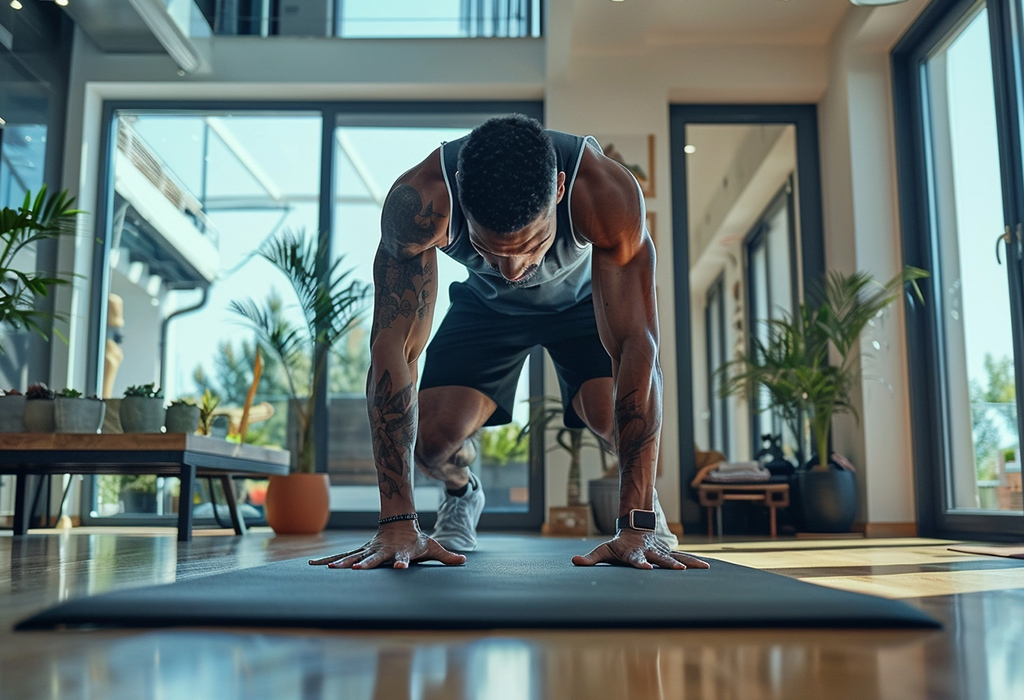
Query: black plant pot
[
  {"x": 603, "y": 495},
  {"x": 827, "y": 500}
]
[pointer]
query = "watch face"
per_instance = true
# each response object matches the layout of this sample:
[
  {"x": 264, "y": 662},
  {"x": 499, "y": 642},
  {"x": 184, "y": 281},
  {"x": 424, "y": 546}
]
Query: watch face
[{"x": 643, "y": 520}]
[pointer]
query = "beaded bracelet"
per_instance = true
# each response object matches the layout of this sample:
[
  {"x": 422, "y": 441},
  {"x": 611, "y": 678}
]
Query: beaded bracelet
[{"x": 394, "y": 518}]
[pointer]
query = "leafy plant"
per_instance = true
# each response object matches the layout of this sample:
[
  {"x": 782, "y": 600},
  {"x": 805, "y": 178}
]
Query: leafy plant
[
  {"x": 70, "y": 393},
  {"x": 206, "y": 408},
  {"x": 331, "y": 305},
  {"x": 146, "y": 391},
  {"x": 184, "y": 401},
  {"x": 794, "y": 363},
  {"x": 502, "y": 444},
  {"x": 546, "y": 414},
  {"x": 37, "y": 219}
]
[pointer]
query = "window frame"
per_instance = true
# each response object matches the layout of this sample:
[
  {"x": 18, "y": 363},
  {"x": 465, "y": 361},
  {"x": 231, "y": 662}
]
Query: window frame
[{"x": 331, "y": 113}]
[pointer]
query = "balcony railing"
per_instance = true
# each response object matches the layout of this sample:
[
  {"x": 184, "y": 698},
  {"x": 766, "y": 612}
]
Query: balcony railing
[{"x": 366, "y": 19}]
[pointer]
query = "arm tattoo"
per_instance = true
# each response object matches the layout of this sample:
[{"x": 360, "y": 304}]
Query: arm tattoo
[
  {"x": 392, "y": 418},
  {"x": 394, "y": 282},
  {"x": 636, "y": 430},
  {"x": 406, "y": 223}
]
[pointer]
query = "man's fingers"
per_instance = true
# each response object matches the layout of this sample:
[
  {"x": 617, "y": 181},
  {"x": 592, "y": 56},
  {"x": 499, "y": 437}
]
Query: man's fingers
[
  {"x": 691, "y": 562},
  {"x": 439, "y": 553},
  {"x": 597, "y": 555},
  {"x": 336, "y": 557},
  {"x": 372, "y": 561},
  {"x": 348, "y": 561},
  {"x": 638, "y": 559},
  {"x": 664, "y": 561},
  {"x": 401, "y": 560}
]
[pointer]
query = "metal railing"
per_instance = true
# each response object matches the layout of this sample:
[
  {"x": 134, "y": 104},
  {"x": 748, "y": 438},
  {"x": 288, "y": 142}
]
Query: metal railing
[{"x": 466, "y": 19}]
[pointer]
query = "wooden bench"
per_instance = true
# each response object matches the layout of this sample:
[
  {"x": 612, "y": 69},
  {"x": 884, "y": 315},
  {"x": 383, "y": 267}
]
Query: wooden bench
[
  {"x": 713, "y": 495},
  {"x": 187, "y": 457}
]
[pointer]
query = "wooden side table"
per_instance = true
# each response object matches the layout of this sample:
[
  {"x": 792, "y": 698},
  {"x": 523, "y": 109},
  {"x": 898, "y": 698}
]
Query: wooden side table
[
  {"x": 712, "y": 496},
  {"x": 187, "y": 457}
]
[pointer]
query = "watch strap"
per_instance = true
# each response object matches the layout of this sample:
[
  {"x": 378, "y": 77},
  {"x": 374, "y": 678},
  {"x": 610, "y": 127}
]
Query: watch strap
[{"x": 637, "y": 519}]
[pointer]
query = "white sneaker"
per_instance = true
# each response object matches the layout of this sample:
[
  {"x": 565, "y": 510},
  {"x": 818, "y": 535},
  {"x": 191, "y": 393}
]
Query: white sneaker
[
  {"x": 457, "y": 518},
  {"x": 661, "y": 531}
]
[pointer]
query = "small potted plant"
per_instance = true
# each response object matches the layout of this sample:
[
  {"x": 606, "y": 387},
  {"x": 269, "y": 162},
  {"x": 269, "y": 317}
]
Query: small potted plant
[
  {"x": 74, "y": 413},
  {"x": 12, "y": 411},
  {"x": 182, "y": 416},
  {"x": 142, "y": 409},
  {"x": 573, "y": 518},
  {"x": 39, "y": 409},
  {"x": 206, "y": 411}
]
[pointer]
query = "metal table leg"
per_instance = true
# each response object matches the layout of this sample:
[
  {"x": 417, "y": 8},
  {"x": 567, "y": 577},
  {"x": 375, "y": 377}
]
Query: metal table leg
[
  {"x": 229, "y": 495},
  {"x": 188, "y": 479},
  {"x": 21, "y": 504}
]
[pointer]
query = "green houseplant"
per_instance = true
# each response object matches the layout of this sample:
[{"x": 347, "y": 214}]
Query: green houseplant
[
  {"x": 40, "y": 218},
  {"x": 142, "y": 409},
  {"x": 546, "y": 415},
  {"x": 74, "y": 413},
  {"x": 330, "y": 305},
  {"x": 809, "y": 366},
  {"x": 182, "y": 416}
]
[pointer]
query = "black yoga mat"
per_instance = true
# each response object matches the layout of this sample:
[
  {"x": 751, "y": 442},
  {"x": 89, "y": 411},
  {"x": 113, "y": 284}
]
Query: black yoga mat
[{"x": 523, "y": 586}]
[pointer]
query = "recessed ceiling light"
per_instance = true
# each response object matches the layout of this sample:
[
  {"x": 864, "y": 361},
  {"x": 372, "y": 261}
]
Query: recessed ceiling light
[
  {"x": 689, "y": 148},
  {"x": 62, "y": 3},
  {"x": 16, "y": 4},
  {"x": 874, "y": 3},
  {"x": 618, "y": 0}
]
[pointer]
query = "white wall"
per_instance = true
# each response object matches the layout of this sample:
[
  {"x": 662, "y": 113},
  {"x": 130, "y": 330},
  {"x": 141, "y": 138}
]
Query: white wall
[
  {"x": 583, "y": 92},
  {"x": 862, "y": 233}
]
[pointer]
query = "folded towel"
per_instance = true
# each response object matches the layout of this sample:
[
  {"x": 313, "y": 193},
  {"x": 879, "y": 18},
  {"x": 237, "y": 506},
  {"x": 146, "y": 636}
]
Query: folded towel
[
  {"x": 738, "y": 466},
  {"x": 757, "y": 473}
]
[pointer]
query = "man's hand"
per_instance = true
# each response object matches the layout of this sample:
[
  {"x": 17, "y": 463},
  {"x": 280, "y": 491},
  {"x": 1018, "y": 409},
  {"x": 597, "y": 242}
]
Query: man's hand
[
  {"x": 399, "y": 543},
  {"x": 641, "y": 550}
]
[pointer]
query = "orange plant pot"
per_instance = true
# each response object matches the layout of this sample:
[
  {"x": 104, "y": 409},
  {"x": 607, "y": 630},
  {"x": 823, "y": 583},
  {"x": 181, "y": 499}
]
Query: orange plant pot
[{"x": 298, "y": 504}]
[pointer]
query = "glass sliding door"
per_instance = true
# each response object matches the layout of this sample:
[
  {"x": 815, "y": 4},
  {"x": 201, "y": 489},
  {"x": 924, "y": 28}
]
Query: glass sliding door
[
  {"x": 957, "y": 87},
  {"x": 973, "y": 301},
  {"x": 195, "y": 196}
]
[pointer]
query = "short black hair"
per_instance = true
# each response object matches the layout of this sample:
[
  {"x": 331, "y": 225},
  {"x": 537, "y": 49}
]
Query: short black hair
[{"x": 507, "y": 173}]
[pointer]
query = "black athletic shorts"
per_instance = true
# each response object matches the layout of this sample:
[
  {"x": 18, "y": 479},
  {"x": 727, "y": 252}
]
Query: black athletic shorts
[{"x": 485, "y": 350}]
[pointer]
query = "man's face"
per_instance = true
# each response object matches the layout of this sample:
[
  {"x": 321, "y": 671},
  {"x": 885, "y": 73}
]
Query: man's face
[{"x": 517, "y": 256}]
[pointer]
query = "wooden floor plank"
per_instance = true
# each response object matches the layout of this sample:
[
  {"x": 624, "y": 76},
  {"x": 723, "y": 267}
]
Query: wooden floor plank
[{"x": 976, "y": 656}]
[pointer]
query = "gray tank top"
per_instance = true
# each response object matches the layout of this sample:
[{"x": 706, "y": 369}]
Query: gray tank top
[{"x": 563, "y": 279}]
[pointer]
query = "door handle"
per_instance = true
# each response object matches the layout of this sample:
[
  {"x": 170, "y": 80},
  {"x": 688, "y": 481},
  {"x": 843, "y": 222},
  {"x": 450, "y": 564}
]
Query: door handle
[{"x": 1006, "y": 238}]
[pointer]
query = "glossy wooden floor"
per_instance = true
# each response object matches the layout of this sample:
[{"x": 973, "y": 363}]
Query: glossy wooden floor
[{"x": 979, "y": 654}]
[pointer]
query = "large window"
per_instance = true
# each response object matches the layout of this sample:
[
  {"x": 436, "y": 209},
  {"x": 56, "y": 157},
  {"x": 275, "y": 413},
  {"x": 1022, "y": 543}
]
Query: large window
[
  {"x": 771, "y": 291},
  {"x": 958, "y": 91},
  {"x": 194, "y": 196}
]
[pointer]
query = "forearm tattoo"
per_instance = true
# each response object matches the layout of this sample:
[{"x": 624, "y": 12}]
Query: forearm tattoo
[
  {"x": 392, "y": 420},
  {"x": 636, "y": 429}
]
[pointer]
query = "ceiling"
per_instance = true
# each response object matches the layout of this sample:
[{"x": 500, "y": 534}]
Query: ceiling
[{"x": 603, "y": 24}]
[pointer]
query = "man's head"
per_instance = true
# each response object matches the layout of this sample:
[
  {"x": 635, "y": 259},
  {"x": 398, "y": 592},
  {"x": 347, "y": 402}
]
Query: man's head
[{"x": 509, "y": 185}]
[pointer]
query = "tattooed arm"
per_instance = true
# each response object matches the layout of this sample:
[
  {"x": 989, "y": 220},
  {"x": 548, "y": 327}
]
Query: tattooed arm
[
  {"x": 611, "y": 214},
  {"x": 413, "y": 223}
]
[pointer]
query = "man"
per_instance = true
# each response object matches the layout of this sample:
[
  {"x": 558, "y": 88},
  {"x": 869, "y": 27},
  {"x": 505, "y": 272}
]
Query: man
[{"x": 553, "y": 235}]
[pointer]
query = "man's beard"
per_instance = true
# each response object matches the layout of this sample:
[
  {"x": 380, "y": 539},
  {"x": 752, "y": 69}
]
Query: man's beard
[{"x": 530, "y": 272}]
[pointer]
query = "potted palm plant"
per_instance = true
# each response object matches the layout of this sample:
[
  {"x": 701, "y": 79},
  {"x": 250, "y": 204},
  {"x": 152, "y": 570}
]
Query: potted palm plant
[
  {"x": 330, "y": 305},
  {"x": 572, "y": 519},
  {"x": 38, "y": 219},
  {"x": 795, "y": 366}
]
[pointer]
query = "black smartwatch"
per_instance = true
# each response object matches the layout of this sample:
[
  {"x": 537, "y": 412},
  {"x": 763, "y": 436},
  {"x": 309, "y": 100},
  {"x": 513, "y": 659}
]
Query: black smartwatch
[{"x": 646, "y": 520}]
